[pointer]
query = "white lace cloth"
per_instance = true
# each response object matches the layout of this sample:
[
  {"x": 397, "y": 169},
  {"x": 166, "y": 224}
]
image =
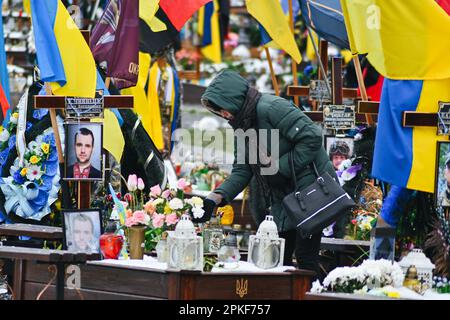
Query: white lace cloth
[{"x": 244, "y": 266}]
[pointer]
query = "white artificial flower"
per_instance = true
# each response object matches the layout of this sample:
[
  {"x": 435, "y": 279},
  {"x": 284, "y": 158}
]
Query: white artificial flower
[
  {"x": 176, "y": 204},
  {"x": 345, "y": 165},
  {"x": 316, "y": 287},
  {"x": 157, "y": 201},
  {"x": 13, "y": 119},
  {"x": 195, "y": 201},
  {"x": 197, "y": 212},
  {"x": 4, "y": 136},
  {"x": 34, "y": 172},
  {"x": 358, "y": 137}
]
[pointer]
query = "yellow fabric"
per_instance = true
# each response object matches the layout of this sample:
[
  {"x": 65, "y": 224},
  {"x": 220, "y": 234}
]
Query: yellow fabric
[
  {"x": 270, "y": 15},
  {"x": 404, "y": 39},
  {"x": 310, "y": 53},
  {"x": 147, "y": 11},
  {"x": 113, "y": 140},
  {"x": 347, "y": 55},
  {"x": 77, "y": 59},
  {"x": 27, "y": 6},
  {"x": 423, "y": 167},
  {"x": 153, "y": 106},
  {"x": 141, "y": 104},
  {"x": 213, "y": 51}
]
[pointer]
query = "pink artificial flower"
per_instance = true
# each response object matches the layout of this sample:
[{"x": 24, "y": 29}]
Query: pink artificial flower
[
  {"x": 128, "y": 197},
  {"x": 181, "y": 184},
  {"x": 140, "y": 184},
  {"x": 141, "y": 217},
  {"x": 171, "y": 219},
  {"x": 354, "y": 221},
  {"x": 130, "y": 221},
  {"x": 132, "y": 182},
  {"x": 149, "y": 208},
  {"x": 166, "y": 194},
  {"x": 155, "y": 190},
  {"x": 158, "y": 220}
]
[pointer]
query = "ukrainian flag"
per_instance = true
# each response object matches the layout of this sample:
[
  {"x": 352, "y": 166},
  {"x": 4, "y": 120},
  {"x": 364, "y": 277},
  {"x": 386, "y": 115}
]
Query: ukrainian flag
[
  {"x": 64, "y": 57},
  {"x": 275, "y": 29},
  {"x": 404, "y": 39},
  {"x": 209, "y": 30},
  {"x": 406, "y": 157}
]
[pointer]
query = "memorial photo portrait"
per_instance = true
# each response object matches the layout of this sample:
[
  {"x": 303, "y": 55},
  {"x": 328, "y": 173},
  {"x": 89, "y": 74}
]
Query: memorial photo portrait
[
  {"x": 82, "y": 230},
  {"x": 442, "y": 185},
  {"x": 83, "y": 151},
  {"x": 338, "y": 149}
]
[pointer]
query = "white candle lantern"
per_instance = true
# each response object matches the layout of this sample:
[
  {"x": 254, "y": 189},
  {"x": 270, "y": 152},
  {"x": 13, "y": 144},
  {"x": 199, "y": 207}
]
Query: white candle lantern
[
  {"x": 423, "y": 265},
  {"x": 185, "y": 247},
  {"x": 266, "y": 248}
]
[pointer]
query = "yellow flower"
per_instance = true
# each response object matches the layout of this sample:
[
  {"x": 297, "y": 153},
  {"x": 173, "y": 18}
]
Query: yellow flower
[
  {"x": 197, "y": 201},
  {"x": 34, "y": 159},
  {"x": 15, "y": 115},
  {"x": 45, "y": 147},
  {"x": 23, "y": 172},
  {"x": 167, "y": 209},
  {"x": 393, "y": 294}
]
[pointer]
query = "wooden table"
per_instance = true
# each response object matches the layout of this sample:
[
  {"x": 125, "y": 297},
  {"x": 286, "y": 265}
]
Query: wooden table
[
  {"x": 29, "y": 230},
  {"x": 99, "y": 281},
  {"x": 21, "y": 257}
]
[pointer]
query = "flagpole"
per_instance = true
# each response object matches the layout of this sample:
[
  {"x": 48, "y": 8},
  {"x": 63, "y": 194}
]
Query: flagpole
[
  {"x": 362, "y": 86},
  {"x": 294, "y": 64},
  {"x": 107, "y": 82},
  {"x": 272, "y": 72}
]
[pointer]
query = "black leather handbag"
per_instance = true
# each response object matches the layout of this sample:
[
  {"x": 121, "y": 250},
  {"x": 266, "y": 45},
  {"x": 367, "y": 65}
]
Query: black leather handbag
[{"x": 318, "y": 205}]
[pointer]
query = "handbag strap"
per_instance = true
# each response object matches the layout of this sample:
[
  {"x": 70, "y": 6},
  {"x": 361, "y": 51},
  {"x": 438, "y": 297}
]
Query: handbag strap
[{"x": 291, "y": 162}]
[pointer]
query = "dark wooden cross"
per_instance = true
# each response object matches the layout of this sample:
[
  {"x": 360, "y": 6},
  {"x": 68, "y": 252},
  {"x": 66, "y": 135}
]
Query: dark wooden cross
[
  {"x": 52, "y": 103},
  {"x": 303, "y": 91},
  {"x": 337, "y": 94}
]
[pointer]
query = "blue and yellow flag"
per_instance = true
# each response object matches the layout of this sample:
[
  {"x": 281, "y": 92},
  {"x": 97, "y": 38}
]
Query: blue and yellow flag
[
  {"x": 406, "y": 157},
  {"x": 404, "y": 39},
  {"x": 64, "y": 57},
  {"x": 270, "y": 16},
  {"x": 209, "y": 31},
  {"x": 4, "y": 77}
]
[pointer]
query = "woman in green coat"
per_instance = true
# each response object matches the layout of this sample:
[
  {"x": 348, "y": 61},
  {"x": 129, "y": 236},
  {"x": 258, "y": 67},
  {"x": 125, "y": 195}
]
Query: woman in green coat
[{"x": 230, "y": 96}]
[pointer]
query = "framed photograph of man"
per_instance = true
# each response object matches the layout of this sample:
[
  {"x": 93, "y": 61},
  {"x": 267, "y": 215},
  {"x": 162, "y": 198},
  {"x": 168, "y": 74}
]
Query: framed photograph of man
[
  {"x": 338, "y": 149},
  {"x": 84, "y": 142},
  {"x": 442, "y": 185},
  {"x": 82, "y": 230}
]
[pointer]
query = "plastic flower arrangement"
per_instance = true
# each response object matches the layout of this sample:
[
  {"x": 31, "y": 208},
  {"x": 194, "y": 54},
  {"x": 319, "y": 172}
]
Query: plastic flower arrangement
[
  {"x": 165, "y": 208},
  {"x": 159, "y": 211},
  {"x": 188, "y": 59},
  {"x": 371, "y": 274},
  {"x": 33, "y": 184}
]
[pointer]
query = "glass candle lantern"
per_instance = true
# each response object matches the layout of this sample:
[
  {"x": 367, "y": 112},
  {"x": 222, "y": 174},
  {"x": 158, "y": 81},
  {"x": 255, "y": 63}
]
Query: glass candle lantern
[
  {"x": 229, "y": 252},
  {"x": 423, "y": 265},
  {"x": 266, "y": 248},
  {"x": 382, "y": 243},
  {"x": 185, "y": 247},
  {"x": 212, "y": 236}
]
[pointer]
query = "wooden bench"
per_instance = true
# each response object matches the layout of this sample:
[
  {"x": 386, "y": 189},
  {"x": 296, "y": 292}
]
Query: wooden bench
[{"x": 59, "y": 258}]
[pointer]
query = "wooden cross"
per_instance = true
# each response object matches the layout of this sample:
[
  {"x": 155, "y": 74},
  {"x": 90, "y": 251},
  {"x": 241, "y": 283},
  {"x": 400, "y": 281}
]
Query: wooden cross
[
  {"x": 58, "y": 102},
  {"x": 303, "y": 91},
  {"x": 338, "y": 94}
]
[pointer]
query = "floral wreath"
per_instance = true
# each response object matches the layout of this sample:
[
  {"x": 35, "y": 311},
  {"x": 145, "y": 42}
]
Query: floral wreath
[{"x": 33, "y": 186}]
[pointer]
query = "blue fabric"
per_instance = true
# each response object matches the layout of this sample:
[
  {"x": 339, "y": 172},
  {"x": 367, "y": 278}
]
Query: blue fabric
[
  {"x": 394, "y": 204},
  {"x": 47, "y": 51},
  {"x": 328, "y": 24},
  {"x": 4, "y": 77},
  {"x": 176, "y": 106},
  {"x": 393, "y": 153},
  {"x": 265, "y": 37},
  {"x": 207, "y": 27}
]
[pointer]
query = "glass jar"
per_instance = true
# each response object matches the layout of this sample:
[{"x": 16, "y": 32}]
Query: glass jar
[
  {"x": 229, "y": 252},
  {"x": 212, "y": 237}
]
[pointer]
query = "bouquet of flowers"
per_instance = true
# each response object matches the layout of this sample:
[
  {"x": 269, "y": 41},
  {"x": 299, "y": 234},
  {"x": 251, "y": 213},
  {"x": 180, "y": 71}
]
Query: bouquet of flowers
[
  {"x": 371, "y": 274},
  {"x": 165, "y": 208},
  {"x": 159, "y": 211}
]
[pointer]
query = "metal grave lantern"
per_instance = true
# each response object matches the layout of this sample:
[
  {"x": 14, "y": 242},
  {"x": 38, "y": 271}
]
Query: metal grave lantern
[
  {"x": 266, "y": 248},
  {"x": 423, "y": 265},
  {"x": 185, "y": 247}
]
